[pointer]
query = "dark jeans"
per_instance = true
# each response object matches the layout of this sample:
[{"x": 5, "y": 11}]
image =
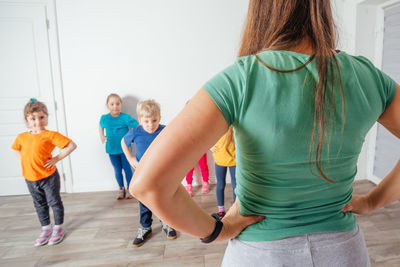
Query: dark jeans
[
  {"x": 220, "y": 172},
  {"x": 120, "y": 162},
  {"x": 46, "y": 193},
  {"x": 145, "y": 216}
]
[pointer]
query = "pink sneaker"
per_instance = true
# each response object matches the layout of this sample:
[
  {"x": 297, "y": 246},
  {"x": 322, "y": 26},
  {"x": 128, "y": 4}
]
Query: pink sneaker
[
  {"x": 57, "y": 236},
  {"x": 128, "y": 195},
  {"x": 121, "y": 193},
  {"x": 44, "y": 237},
  {"x": 189, "y": 189},
  {"x": 204, "y": 189}
]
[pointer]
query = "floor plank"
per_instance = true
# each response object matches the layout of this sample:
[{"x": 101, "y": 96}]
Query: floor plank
[{"x": 100, "y": 231}]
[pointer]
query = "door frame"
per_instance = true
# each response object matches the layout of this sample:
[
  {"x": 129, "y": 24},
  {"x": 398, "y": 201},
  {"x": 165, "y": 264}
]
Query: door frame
[{"x": 56, "y": 76}]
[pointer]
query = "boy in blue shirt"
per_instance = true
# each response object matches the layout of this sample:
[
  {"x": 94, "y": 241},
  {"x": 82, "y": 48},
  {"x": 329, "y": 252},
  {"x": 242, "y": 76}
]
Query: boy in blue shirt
[{"x": 143, "y": 135}]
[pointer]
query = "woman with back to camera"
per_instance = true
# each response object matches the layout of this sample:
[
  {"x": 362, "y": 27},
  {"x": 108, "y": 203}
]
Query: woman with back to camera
[{"x": 300, "y": 112}]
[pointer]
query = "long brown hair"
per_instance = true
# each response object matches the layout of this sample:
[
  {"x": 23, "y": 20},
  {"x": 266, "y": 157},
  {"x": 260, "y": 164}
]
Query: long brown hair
[
  {"x": 284, "y": 24},
  {"x": 229, "y": 141}
]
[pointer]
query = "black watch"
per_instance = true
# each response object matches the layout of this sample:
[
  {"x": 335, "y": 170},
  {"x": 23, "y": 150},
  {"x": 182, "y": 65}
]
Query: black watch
[{"x": 216, "y": 232}]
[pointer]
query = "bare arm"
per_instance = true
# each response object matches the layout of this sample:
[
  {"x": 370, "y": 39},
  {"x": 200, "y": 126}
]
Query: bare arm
[
  {"x": 389, "y": 189},
  {"x": 103, "y": 138},
  {"x": 176, "y": 150},
  {"x": 390, "y": 118},
  {"x": 128, "y": 154},
  {"x": 65, "y": 152},
  {"x": 383, "y": 194}
]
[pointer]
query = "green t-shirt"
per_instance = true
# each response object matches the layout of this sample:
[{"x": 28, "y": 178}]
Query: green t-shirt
[{"x": 272, "y": 116}]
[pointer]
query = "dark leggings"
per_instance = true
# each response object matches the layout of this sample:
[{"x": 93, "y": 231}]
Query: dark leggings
[
  {"x": 120, "y": 162},
  {"x": 46, "y": 193},
  {"x": 220, "y": 172}
]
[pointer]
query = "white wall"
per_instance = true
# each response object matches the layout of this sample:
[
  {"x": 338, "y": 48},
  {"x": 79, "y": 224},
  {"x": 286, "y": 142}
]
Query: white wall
[{"x": 156, "y": 49}]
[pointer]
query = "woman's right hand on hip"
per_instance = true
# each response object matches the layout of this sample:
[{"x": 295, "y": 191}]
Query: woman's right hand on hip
[{"x": 235, "y": 223}]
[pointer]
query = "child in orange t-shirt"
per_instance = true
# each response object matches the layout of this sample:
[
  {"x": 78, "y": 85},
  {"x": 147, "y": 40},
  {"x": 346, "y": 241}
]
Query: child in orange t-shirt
[{"x": 39, "y": 169}]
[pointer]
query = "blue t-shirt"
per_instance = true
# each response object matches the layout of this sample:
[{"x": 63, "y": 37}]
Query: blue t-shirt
[
  {"x": 141, "y": 138},
  {"x": 116, "y": 128}
]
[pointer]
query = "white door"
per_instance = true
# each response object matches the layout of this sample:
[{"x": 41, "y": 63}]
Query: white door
[{"x": 25, "y": 72}]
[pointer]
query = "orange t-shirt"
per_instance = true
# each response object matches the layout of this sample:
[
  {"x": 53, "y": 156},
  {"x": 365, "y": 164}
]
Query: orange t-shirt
[{"x": 35, "y": 150}]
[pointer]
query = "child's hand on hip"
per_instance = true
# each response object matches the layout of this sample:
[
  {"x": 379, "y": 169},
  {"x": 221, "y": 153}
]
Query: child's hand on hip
[{"x": 51, "y": 162}]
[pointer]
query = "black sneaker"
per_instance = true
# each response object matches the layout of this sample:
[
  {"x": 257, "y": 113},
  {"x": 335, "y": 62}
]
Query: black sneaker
[
  {"x": 169, "y": 231},
  {"x": 142, "y": 236}
]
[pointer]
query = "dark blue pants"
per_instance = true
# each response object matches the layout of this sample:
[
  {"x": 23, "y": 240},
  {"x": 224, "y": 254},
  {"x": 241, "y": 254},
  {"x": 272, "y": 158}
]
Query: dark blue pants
[
  {"x": 145, "y": 216},
  {"x": 220, "y": 172},
  {"x": 46, "y": 193},
  {"x": 120, "y": 162}
]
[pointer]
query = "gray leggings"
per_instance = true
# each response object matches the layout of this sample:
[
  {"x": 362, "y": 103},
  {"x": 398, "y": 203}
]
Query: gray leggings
[
  {"x": 333, "y": 249},
  {"x": 46, "y": 193}
]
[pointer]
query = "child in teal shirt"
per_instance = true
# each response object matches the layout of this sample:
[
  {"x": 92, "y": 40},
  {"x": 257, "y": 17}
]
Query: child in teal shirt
[{"x": 117, "y": 125}]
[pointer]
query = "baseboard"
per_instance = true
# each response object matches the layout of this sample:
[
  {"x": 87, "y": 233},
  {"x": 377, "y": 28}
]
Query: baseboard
[{"x": 376, "y": 180}]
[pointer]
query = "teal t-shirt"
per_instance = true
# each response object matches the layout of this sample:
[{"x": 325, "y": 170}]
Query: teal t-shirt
[
  {"x": 116, "y": 128},
  {"x": 272, "y": 116}
]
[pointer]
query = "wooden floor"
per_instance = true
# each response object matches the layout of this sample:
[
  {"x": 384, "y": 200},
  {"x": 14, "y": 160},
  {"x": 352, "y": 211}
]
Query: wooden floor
[{"x": 101, "y": 229}]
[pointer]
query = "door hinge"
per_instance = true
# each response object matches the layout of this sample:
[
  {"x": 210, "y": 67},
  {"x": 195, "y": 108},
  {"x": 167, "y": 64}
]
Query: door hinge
[
  {"x": 64, "y": 178},
  {"x": 48, "y": 24},
  {"x": 55, "y": 105}
]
